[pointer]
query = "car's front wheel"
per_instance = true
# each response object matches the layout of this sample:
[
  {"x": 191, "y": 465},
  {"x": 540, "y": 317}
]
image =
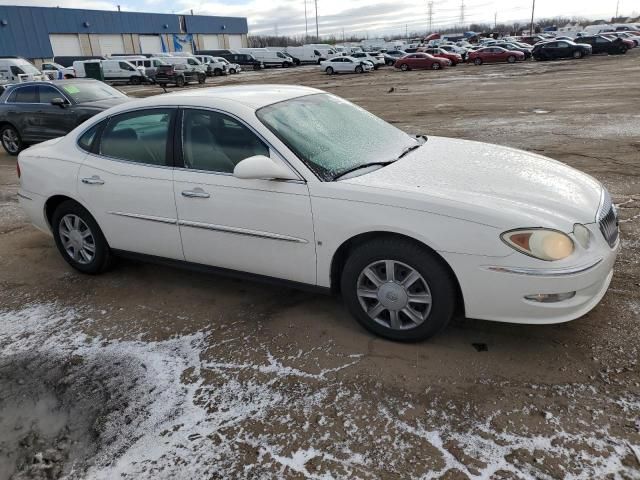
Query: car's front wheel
[
  {"x": 11, "y": 140},
  {"x": 232, "y": 71},
  {"x": 511, "y": 59},
  {"x": 398, "y": 290},
  {"x": 577, "y": 54},
  {"x": 329, "y": 71},
  {"x": 404, "y": 67},
  {"x": 202, "y": 78},
  {"x": 134, "y": 80},
  {"x": 478, "y": 61},
  {"x": 180, "y": 82},
  {"x": 436, "y": 66},
  {"x": 79, "y": 238},
  {"x": 359, "y": 69}
]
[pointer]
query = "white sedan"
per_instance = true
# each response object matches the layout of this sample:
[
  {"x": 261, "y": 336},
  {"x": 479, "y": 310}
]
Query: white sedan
[
  {"x": 294, "y": 184},
  {"x": 346, "y": 64}
]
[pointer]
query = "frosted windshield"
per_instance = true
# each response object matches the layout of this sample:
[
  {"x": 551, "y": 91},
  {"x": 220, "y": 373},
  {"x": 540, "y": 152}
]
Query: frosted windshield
[{"x": 332, "y": 135}]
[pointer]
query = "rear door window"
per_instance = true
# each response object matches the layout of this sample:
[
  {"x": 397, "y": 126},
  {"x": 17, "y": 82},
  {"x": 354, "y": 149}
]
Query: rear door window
[
  {"x": 139, "y": 136},
  {"x": 26, "y": 94}
]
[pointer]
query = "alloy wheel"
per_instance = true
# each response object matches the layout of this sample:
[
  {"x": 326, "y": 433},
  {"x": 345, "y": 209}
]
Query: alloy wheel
[
  {"x": 77, "y": 239},
  {"x": 11, "y": 140},
  {"x": 394, "y": 295}
]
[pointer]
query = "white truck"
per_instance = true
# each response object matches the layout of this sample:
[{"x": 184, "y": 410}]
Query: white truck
[
  {"x": 17, "y": 69},
  {"x": 269, "y": 58},
  {"x": 214, "y": 66}
]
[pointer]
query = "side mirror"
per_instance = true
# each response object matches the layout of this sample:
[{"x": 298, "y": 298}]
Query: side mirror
[
  {"x": 260, "y": 167},
  {"x": 60, "y": 102}
]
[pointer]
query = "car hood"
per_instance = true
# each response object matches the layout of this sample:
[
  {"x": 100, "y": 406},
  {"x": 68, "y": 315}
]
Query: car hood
[
  {"x": 105, "y": 104},
  {"x": 490, "y": 184}
]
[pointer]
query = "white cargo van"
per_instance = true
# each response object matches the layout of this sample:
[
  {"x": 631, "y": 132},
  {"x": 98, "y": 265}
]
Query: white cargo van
[
  {"x": 269, "y": 58},
  {"x": 17, "y": 69},
  {"x": 306, "y": 54},
  {"x": 190, "y": 60},
  {"x": 113, "y": 70},
  {"x": 214, "y": 66}
]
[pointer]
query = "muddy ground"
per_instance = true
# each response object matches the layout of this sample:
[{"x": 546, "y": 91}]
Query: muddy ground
[{"x": 154, "y": 372}]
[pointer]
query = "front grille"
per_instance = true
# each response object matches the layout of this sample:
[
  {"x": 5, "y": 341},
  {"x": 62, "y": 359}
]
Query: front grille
[{"x": 608, "y": 219}]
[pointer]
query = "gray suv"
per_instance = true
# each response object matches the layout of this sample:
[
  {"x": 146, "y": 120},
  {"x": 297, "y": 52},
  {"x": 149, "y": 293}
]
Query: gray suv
[{"x": 33, "y": 112}]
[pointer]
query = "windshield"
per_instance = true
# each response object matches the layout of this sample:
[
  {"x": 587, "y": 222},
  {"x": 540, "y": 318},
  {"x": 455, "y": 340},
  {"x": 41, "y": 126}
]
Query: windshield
[
  {"x": 28, "y": 68},
  {"x": 332, "y": 135},
  {"x": 82, "y": 92}
]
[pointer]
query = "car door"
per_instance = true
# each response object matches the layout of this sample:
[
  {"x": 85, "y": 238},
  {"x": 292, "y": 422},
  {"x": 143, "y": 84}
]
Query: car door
[
  {"x": 53, "y": 120},
  {"x": 263, "y": 227},
  {"x": 22, "y": 105},
  {"x": 126, "y": 182}
]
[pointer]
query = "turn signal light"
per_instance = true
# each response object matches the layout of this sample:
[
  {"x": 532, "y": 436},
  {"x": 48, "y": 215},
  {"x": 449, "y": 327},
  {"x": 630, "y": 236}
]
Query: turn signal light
[{"x": 550, "y": 297}]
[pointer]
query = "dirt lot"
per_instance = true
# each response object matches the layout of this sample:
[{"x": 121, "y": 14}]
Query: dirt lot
[{"x": 153, "y": 372}]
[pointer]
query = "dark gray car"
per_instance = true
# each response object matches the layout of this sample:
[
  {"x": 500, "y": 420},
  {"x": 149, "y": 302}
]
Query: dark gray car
[{"x": 33, "y": 112}]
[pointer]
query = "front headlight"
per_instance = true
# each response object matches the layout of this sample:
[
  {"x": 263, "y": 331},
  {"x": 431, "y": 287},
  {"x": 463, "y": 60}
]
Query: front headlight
[{"x": 539, "y": 243}]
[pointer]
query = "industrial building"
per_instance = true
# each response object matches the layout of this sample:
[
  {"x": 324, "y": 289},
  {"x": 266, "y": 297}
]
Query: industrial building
[{"x": 41, "y": 33}]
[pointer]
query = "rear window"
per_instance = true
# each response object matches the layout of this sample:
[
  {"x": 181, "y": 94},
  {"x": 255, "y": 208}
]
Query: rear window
[{"x": 27, "y": 94}]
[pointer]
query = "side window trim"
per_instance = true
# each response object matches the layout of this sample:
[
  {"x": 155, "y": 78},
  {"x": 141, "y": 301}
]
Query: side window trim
[
  {"x": 179, "y": 155},
  {"x": 62, "y": 95}
]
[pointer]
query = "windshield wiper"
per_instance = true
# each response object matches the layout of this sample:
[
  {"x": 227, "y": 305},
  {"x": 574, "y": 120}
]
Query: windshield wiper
[
  {"x": 364, "y": 165},
  {"x": 409, "y": 149}
]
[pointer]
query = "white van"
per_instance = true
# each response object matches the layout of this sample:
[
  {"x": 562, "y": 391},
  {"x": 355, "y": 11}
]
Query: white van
[
  {"x": 190, "y": 60},
  {"x": 113, "y": 70},
  {"x": 269, "y": 57},
  {"x": 148, "y": 66},
  {"x": 306, "y": 54},
  {"x": 17, "y": 69}
]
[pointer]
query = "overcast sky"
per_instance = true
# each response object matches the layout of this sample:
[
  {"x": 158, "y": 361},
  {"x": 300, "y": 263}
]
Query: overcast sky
[{"x": 358, "y": 17}]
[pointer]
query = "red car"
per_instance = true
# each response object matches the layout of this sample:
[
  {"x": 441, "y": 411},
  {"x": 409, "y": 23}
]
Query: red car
[
  {"x": 421, "y": 60},
  {"x": 494, "y": 54},
  {"x": 454, "y": 58}
]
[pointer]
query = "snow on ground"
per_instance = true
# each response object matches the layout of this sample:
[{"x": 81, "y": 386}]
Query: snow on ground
[{"x": 205, "y": 406}]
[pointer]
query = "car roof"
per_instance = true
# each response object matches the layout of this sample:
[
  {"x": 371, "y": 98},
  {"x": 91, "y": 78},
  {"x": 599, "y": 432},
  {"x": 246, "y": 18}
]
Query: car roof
[{"x": 253, "y": 96}]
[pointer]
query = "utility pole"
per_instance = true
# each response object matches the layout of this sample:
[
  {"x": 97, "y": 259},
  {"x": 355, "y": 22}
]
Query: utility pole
[
  {"x": 317, "y": 34},
  {"x": 406, "y": 31},
  {"x": 495, "y": 20},
  {"x": 462, "y": 13},
  {"x": 617, "y": 5},
  {"x": 533, "y": 9},
  {"x": 430, "y": 14},
  {"x": 306, "y": 24}
]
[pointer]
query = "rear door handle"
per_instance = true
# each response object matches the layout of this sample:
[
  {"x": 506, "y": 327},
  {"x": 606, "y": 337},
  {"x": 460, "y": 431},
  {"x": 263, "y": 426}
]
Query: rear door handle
[
  {"x": 195, "y": 193},
  {"x": 94, "y": 180}
]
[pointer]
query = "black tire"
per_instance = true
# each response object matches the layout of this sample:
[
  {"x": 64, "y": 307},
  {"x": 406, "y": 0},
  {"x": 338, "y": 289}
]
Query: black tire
[
  {"x": 11, "y": 140},
  {"x": 438, "y": 279},
  {"x": 577, "y": 54},
  {"x": 68, "y": 77},
  {"x": 511, "y": 59},
  {"x": 359, "y": 69},
  {"x": 202, "y": 78},
  {"x": 376, "y": 66},
  {"x": 436, "y": 66},
  {"x": 217, "y": 72},
  {"x": 477, "y": 61},
  {"x": 286, "y": 64},
  {"x": 256, "y": 67},
  {"x": 232, "y": 71},
  {"x": 389, "y": 62},
  {"x": 163, "y": 84},
  {"x": 180, "y": 81},
  {"x": 102, "y": 258},
  {"x": 329, "y": 70},
  {"x": 135, "y": 80},
  {"x": 623, "y": 50},
  {"x": 404, "y": 67}
]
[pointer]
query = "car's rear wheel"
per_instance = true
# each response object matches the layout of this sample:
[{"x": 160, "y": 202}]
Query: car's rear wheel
[
  {"x": 436, "y": 66},
  {"x": 623, "y": 50},
  {"x": 11, "y": 140},
  {"x": 329, "y": 71},
  {"x": 79, "y": 238},
  {"x": 477, "y": 61},
  {"x": 398, "y": 290},
  {"x": 134, "y": 80},
  {"x": 286, "y": 64},
  {"x": 511, "y": 59},
  {"x": 404, "y": 67},
  {"x": 180, "y": 82},
  {"x": 577, "y": 54},
  {"x": 359, "y": 69}
]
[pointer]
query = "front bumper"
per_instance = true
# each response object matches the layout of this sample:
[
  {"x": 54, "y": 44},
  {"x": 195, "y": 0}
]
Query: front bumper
[{"x": 495, "y": 288}]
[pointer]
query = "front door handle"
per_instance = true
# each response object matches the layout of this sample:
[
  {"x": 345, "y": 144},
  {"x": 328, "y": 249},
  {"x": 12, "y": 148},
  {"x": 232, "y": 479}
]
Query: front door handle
[
  {"x": 195, "y": 193},
  {"x": 94, "y": 180}
]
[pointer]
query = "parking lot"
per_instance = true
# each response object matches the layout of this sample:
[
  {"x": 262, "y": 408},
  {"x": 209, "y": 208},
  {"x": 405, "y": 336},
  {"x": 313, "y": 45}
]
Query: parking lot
[{"x": 154, "y": 372}]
